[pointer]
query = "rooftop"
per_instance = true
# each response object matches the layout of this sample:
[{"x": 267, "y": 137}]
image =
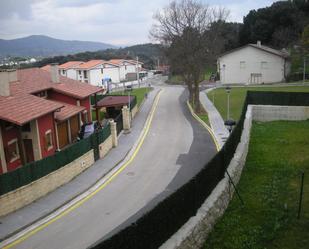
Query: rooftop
[
  {"x": 70, "y": 64},
  {"x": 68, "y": 111},
  {"x": 21, "y": 109},
  {"x": 281, "y": 53},
  {"x": 90, "y": 64},
  {"x": 111, "y": 101},
  {"x": 22, "y": 106}
]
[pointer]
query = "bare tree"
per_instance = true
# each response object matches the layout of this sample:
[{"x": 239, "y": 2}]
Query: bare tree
[{"x": 183, "y": 27}]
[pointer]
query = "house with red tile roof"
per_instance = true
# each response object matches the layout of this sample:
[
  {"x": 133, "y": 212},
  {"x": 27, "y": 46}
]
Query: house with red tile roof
[
  {"x": 126, "y": 67},
  {"x": 40, "y": 112},
  {"x": 68, "y": 69},
  {"x": 96, "y": 72}
]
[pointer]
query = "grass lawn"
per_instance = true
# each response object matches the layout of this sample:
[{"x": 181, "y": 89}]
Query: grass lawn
[
  {"x": 204, "y": 117},
  {"x": 237, "y": 97},
  {"x": 269, "y": 187}
]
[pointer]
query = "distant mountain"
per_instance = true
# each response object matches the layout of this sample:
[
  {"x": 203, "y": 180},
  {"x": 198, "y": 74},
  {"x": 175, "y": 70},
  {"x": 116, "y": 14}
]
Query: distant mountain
[{"x": 40, "y": 45}]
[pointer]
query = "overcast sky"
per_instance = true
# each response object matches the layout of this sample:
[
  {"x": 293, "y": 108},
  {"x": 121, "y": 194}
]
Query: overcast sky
[{"x": 119, "y": 22}]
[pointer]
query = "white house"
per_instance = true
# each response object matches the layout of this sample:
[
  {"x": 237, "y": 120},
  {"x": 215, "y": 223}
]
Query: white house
[
  {"x": 253, "y": 64},
  {"x": 68, "y": 69},
  {"x": 126, "y": 66},
  {"x": 95, "y": 71}
]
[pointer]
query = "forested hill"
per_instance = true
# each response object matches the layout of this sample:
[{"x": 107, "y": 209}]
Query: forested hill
[
  {"x": 149, "y": 54},
  {"x": 41, "y": 46},
  {"x": 279, "y": 25}
]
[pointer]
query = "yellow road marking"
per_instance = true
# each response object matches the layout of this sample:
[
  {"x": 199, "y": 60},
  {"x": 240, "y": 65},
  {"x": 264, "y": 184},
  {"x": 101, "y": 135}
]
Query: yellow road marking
[
  {"x": 205, "y": 125},
  {"x": 79, "y": 203}
]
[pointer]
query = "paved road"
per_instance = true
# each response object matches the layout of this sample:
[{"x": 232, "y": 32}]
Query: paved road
[{"x": 174, "y": 150}]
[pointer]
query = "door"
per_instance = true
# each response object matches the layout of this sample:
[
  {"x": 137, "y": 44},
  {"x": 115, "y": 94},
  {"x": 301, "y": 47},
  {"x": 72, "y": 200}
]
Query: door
[
  {"x": 28, "y": 150},
  {"x": 74, "y": 126},
  {"x": 63, "y": 137}
]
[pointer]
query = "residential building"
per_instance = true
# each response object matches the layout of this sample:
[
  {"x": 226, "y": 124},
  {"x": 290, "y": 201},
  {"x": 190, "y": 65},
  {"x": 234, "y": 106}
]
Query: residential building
[
  {"x": 253, "y": 64},
  {"x": 68, "y": 69},
  {"x": 95, "y": 71},
  {"x": 126, "y": 66},
  {"x": 40, "y": 113}
]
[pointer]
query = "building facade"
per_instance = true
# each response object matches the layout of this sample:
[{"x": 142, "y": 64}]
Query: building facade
[
  {"x": 40, "y": 113},
  {"x": 253, "y": 64}
]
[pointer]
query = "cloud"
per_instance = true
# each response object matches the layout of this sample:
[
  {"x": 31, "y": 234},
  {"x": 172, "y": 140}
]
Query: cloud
[
  {"x": 120, "y": 22},
  {"x": 11, "y": 8}
]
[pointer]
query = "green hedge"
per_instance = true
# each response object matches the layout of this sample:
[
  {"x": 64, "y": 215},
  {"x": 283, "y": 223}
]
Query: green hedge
[
  {"x": 35, "y": 170},
  {"x": 158, "y": 225}
]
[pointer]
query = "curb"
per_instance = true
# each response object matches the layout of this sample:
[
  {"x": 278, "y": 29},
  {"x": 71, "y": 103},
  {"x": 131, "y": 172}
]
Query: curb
[
  {"x": 23, "y": 233},
  {"x": 205, "y": 126}
]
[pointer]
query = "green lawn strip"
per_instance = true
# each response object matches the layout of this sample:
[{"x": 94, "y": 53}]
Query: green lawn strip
[
  {"x": 204, "y": 117},
  {"x": 237, "y": 97},
  {"x": 94, "y": 115},
  {"x": 269, "y": 186}
]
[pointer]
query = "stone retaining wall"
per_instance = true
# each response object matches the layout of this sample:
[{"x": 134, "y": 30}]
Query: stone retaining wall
[
  {"x": 105, "y": 147},
  {"x": 23, "y": 196},
  {"x": 194, "y": 233},
  {"x": 134, "y": 111}
]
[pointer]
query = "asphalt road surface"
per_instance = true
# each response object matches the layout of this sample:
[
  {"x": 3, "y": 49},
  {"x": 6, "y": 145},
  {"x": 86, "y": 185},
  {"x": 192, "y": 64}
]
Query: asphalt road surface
[{"x": 174, "y": 150}]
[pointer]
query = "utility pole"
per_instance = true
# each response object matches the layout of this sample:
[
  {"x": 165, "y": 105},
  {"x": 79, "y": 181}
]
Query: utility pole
[{"x": 139, "y": 85}]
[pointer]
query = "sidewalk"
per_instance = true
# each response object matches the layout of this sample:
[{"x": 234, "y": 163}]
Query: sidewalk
[
  {"x": 215, "y": 119},
  {"x": 23, "y": 217}
]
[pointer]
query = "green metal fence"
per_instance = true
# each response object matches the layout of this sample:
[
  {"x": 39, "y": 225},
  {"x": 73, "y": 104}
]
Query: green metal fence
[{"x": 35, "y": 170}]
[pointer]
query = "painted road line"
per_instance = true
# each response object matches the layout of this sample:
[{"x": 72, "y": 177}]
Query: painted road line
[
  {"x": 205, "y": 125},
  {"x": 75, "y": 203}
]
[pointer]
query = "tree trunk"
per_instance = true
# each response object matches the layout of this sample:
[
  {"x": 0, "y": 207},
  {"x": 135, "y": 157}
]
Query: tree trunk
[
  {"x": 189, "y": 84},
  {"x": 197, "y": 104}
]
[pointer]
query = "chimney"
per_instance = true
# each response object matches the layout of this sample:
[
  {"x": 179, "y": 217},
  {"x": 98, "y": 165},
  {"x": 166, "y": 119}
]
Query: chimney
[
  {"x": 54, "y": 72},
  {"x": 259, "y": 44},
  {"x": 4, "y": 83},
  {"x": 12, "y": 75}
]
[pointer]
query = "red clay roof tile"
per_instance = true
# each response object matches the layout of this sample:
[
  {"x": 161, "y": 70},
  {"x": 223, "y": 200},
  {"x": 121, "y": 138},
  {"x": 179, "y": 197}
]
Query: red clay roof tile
[
  {"x": 22, "y": 108},
  {"x": 90, "y": 64},
  {"x": 68, "y": 111},
  {"x": 70, "y": 64}
]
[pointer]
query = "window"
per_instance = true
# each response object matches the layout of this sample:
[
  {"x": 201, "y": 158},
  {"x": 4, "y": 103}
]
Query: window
[
  {"x": 63, "y": 71},
  {"x": 79, "y": 72},
  {"x": 48, "y": 140},
  {"x": 101, "y": 70},
  {"x": 12, "y": 150},
  {"x": 26, "y": 127},
  {"x": 242, "y": 64},
  {"x": 85, "y": 74},
  {"x": 264, "y": 65}
]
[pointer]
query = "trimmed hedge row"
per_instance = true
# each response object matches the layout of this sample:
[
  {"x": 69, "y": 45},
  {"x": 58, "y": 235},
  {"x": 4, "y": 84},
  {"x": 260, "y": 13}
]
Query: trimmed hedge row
[{"x": 160, "y": 223}]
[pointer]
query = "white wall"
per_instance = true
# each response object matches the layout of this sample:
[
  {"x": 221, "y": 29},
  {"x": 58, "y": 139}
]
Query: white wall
[
  {"x": 122, "y": 72},
  {"x": 95, "y": 76},
  {"x": 233, "y": 72},
  {"x": 112, "y": 72},
  {"x": 72, "y": 73}
]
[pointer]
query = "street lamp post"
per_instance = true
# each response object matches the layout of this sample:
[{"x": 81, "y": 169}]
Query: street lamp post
[
  {"x": 129, "y": 89},
  {"x": 229, "y": 123},
  {"x": 228, "y": 91},
  {"x": 139, "y": 85}
]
